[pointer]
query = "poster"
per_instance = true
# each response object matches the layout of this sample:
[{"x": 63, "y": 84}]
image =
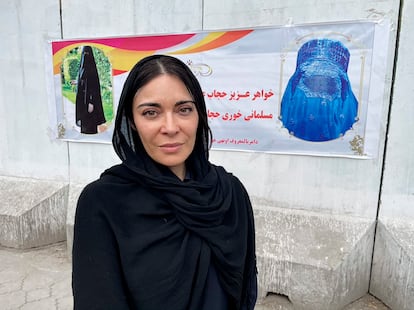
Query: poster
[{"x": 301, "y": 89}]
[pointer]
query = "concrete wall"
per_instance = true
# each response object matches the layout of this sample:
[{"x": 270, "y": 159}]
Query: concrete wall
[
  {"x": 338, "y": 186},
  {"x": 322, "y": 194},
  {"x": 397, "y": 197},
  {"x": 393, "y": 263},
  {"x": 25, "y": 147}
]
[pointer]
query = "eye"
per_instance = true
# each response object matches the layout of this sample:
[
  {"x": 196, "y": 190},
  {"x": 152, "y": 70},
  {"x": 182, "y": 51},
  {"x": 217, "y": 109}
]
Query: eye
[
  {"x": 150, "y": 113},
  {"x": 185, "y": 110}
]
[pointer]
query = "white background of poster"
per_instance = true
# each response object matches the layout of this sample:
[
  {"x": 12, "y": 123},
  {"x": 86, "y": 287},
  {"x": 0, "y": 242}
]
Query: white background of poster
[{"x": 262, "y": 63}]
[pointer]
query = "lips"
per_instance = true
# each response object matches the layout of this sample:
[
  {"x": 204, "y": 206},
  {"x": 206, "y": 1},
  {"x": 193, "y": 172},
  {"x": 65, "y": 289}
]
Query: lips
[{"x": 171, "y": 147}]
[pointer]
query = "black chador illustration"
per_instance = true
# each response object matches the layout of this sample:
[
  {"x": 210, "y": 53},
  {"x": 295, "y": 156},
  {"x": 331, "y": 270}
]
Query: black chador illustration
[{"x": 89, "y": 110}]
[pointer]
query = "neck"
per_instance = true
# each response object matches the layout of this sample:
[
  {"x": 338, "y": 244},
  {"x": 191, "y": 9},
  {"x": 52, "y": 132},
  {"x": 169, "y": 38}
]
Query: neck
[{"x": 179, "y": 172}]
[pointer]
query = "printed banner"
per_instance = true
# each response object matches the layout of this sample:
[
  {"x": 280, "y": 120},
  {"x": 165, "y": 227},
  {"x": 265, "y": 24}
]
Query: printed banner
[{"x": 306, "y": 89}]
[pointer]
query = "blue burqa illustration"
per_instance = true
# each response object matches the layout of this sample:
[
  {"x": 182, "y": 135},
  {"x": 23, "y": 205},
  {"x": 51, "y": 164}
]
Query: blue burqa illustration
[{"x": 318, "y": 103}]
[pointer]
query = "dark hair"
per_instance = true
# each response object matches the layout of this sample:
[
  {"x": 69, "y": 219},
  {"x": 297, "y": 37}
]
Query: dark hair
[{"x": 149, "y": 68}]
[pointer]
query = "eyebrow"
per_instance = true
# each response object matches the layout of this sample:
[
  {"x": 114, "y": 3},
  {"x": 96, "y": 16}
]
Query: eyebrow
[
  {"x": 154, "y": 104},
  {"x": 184, "y": 102},
  {"x": 148, "y": 104}
]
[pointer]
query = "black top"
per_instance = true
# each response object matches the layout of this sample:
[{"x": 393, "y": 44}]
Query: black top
[
  {"x": 145, "y": 240},
  {"x": 214, "y": 296},
  {"x": 134, "y": 250}
]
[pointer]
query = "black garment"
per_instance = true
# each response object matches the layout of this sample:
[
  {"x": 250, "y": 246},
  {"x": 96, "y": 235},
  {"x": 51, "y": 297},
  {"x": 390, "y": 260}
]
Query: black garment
[
  {"x": 137, "y": 247},
  {"x": 214, "y": 296},
  {"x": 89, "y": 110},
  {"x": 145, "y": 240}
]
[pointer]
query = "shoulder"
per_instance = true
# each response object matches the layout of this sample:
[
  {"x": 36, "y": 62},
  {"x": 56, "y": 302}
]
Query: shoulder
[
  {"x": 92, "y": 199},
  {"x": 107, "y": 191},
  {"x": 98, "y": 188},
  {"x": 223, "y": 172},
  {"x": 94, "y": 190},
  {"x": 231, "y": 178},
  {"x": 114, "y": 176}
]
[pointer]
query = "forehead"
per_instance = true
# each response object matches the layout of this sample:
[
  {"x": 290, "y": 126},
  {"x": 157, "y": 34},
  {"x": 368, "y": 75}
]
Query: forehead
[{"x": 163, "y": 86}]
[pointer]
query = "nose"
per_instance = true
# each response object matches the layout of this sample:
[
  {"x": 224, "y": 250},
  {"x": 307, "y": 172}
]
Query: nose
[{"x": 170, "y": 124}]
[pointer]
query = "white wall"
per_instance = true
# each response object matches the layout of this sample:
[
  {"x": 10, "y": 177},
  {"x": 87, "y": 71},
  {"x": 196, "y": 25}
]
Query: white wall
[
  {"x": 397, "y": 199},
  {"x": 332, "y": 185},
  {"x": 25, "y": 147}
]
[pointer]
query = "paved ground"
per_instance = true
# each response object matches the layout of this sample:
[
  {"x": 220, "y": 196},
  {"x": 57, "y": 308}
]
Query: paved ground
[
  {"x": 35, "y": 279},
  {"x": 40, "y": 279},
  {"x": 367, "y": 302}
]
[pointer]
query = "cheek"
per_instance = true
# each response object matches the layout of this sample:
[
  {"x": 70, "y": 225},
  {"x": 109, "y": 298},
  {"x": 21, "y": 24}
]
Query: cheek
[
  {"x": 196, "y": 124},
  {"x": 195, "y": 130},
  {"x": 145, "y": 131},
  {"x": 192, "y": 130}
]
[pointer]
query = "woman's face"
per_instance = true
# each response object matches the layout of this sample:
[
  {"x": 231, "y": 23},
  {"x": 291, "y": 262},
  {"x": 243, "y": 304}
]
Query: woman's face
[{"x": 166, "y": 120}]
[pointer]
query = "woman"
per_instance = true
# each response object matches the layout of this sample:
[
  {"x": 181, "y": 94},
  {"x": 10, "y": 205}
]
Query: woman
[
  {"x": 166, "y": 229},
  {"x": 89, "y": 110}
]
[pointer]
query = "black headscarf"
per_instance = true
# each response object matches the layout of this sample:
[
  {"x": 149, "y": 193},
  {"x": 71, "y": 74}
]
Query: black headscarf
[{"x": 212, "y": 212}]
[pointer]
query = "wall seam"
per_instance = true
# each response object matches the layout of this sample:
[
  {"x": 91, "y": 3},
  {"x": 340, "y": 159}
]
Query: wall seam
[
  {"x": 67, "y": 143},
  {"x": 397, "y": 42},
  {"x": 61, "y": 19},
  {"x": 202, "y": 14}
]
